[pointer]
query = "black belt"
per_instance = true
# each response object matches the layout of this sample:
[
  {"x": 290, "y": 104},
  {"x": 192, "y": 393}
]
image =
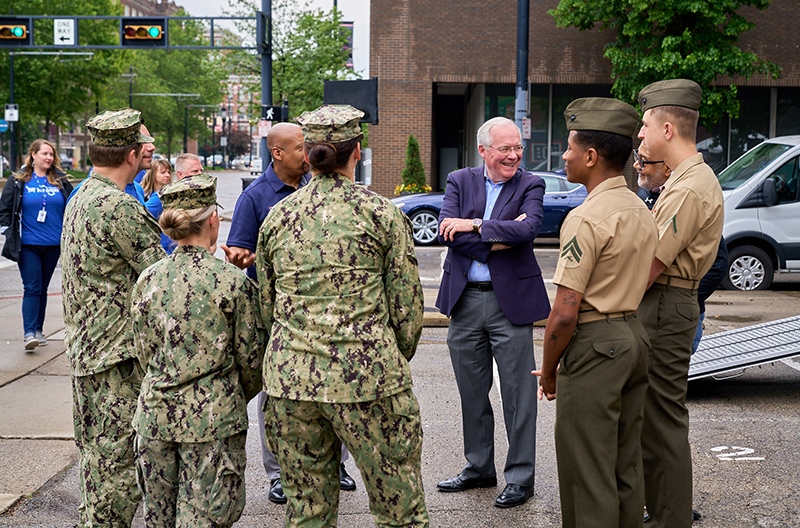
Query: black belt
[{"x": 481, "y": 286}]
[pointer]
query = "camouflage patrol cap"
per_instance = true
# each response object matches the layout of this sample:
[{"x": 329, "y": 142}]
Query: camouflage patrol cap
[
  {"x": 673, "y": 92},
  {"x": 602, "y": 114},
  {"x": 331, "y": 124},
  {"x": 117, "y": 128},
  {"x": 192, "y": 192}
]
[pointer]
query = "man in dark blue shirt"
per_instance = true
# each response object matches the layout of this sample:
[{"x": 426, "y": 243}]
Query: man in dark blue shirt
[{"x": 287, "y": 173}]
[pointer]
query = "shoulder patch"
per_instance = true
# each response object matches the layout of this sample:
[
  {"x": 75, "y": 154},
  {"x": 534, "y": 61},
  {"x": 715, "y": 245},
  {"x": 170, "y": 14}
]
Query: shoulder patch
[{"x": 572, "y": 251}]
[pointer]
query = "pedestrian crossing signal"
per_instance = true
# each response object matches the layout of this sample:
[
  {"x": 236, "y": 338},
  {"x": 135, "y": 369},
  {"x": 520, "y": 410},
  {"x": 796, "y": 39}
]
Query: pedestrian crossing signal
[{"x": 143, "y": 32}]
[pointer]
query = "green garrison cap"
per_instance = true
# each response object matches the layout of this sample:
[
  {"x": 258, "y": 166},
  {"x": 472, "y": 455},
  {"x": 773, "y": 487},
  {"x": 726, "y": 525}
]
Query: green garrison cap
[
  {"x": 331, "y": 124},
  {"x": 117, "y": 128},
  {"x": 192, "y": 192},
  {"x": 673, "y": 92},
  {"x": 602, "y": 114}
]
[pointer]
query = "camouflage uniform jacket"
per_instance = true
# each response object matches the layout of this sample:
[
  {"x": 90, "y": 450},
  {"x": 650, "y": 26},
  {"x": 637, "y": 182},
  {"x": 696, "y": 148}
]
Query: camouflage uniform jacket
[
  {"x": 107, "y": 241},
  {"x": 340, "y": 292},
  {"x": 200, "y": 340}
]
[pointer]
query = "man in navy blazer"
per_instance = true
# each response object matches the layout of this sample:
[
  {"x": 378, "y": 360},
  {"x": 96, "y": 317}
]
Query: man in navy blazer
[{"x": 492, "y": 289}]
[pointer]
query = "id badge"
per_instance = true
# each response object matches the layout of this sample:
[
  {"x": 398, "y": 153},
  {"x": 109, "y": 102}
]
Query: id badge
[{"x": 42, "y": 216}]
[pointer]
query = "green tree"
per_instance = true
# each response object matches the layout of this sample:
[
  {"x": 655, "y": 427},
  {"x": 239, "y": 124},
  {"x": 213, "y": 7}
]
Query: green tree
[
  {"x": 666, "y": 39},
  {"x": 308, "y": 47},
  {"x": 60, "y": 90},
  {"x": 413, "y": 173},
  {"x": 172, "y": 71}
]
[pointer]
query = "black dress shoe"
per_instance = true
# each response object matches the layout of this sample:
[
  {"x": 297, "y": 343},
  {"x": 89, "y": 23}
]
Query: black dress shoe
[
  {"x": 346, "y": 482},
  {"x": 513, "y": 495},
  {"x": 276, "y": 491},
  {"x": 696, "y": 515},
  {"x": 462, "y": 483}
]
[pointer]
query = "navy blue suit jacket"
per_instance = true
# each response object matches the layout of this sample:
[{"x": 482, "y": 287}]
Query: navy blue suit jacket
[{"x": 516, "y": 277}]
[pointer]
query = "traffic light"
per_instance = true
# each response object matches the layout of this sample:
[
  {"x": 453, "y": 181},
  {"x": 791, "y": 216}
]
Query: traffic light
[
  {"x": 15, "y": 32},
  {"x": 143, "y": 32}
]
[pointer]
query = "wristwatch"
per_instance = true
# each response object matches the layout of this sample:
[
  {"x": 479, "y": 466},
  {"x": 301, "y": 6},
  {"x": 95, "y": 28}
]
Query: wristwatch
[{"x": 476, "y": 224}]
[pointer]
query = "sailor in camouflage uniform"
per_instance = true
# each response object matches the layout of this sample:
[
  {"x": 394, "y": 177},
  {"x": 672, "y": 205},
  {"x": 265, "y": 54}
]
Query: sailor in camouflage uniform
[
  {"x": 199, "y": 337},
  {"x": 341, "y": 293},
  {"x": 107, "y": 241}
]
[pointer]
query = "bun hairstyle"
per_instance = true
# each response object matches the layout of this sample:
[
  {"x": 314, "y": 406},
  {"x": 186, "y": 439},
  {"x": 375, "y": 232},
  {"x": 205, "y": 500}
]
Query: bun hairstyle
[
  {"x": 181, "y": 223},
  {"x": 330, "y": 157}
]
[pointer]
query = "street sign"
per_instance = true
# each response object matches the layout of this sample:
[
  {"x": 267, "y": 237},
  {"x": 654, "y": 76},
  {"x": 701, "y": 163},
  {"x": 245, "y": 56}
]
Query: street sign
[
  {"x": 12, "y": 112},
  {"x": 263, "y": 127},
  {"x": 3, "y": 125},
  {"x": 217, "y": 128},
  {"x": 64, "y": 32},
  {"x": 274, "y": 113},
  {"x": 223, "y": 141},
  {"x": 526, "y": 128}
]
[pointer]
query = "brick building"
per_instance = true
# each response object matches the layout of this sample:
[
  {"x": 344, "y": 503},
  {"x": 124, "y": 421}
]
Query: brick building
[
  {"x": 445, "y": 67},
  {"x": 141, "y": 8}
]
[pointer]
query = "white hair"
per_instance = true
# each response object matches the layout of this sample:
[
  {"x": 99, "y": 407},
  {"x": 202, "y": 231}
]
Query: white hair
[{"x": 485, "y": 131}]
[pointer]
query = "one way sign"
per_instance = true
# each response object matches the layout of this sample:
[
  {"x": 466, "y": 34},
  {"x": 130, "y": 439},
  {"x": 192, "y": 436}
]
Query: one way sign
[{"x": 64, "y": 32}]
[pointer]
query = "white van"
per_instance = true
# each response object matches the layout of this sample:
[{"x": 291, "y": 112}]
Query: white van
[{"x": 762, "y": 213}]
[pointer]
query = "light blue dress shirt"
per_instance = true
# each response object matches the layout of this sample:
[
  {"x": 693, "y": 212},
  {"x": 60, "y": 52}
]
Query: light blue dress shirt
[{"x": 479, "y": 271}]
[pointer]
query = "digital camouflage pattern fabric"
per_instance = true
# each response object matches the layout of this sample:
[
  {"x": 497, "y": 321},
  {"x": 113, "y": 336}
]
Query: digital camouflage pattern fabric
[
  {"x": 340, "y": 292},
  {"x": 108, "y": 240},
  {"x": 102, "y": 409},
  {"x": 200, "y": 339},
  {"x": 204, "y": 490},
  {"x": 331, "y": 124},
  {"x": 117, "y": 128},
  {"x": 192, "y": 192},
  {"x": 385, "y": 439}
]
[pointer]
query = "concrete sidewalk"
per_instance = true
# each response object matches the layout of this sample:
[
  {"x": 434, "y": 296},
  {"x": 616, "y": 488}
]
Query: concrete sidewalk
[{"x": 36, "y": 434}]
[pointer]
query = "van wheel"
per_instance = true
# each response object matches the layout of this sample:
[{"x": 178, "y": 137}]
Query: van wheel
[{"x": 749, "y": 268}]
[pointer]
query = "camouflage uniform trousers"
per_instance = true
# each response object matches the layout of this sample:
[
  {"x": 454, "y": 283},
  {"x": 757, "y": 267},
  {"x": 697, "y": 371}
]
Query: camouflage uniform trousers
[
  {"x": 103, "y": 407},
  {"x": 383, "y": 436},
  {"x": 192, "y": 484}
]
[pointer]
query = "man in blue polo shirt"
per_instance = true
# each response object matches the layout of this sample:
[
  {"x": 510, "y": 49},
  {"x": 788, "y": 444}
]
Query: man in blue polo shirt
[{"x": 287, "y": 173}]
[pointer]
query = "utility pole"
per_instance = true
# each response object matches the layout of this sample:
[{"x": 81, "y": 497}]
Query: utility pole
[{"x": 521, "y": 103}]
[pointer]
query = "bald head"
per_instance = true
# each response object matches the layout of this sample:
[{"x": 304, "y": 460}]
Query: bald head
[{"x": 285, "y": 143}]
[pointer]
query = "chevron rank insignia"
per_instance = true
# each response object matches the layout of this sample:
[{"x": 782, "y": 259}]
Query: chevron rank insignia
[
  {"x": 572, "y": 252},
  {"x": 674, "y": 222}
]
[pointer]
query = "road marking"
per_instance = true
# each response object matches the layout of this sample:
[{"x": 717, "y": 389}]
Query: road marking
[
  {"x": 737, "y": 455},
  {"x": 792, "y": 363}
]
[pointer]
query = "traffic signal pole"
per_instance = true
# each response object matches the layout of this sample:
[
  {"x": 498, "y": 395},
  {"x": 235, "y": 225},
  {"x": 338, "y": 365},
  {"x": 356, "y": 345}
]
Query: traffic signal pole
[
  {"x": 12, "y": 149},
  {"x": 266, "y": 72},
  {"x": 521, "y": 103}
]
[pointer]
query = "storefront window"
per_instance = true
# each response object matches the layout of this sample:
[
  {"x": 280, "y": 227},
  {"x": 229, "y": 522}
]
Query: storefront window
[{"x": 788, "y": 123}]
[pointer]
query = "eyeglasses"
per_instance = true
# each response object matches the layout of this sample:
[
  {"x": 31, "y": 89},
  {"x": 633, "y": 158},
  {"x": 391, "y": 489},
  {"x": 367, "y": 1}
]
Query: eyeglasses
[
  {"x": 637, "y": 158},
  {"x": 507, "y": 149}
]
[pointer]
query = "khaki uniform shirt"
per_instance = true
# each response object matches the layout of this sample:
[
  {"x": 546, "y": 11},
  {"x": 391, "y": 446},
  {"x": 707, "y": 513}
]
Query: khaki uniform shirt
[
  {"x": 689, "y": 215},
  {"x": 340, "y": 292},
  {"x": 200, "y": 340},
  {"x": 607, "y": 247},
  {"x": 108, "y": 240}
]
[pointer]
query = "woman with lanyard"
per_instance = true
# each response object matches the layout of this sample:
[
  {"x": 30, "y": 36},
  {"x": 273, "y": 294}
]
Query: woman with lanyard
[
  {"x": 31, "y": 215},
  {"x": 200, "y": 340}
]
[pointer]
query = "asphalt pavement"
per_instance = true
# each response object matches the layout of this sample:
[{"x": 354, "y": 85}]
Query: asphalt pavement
[{"x": 745, "y": 431}]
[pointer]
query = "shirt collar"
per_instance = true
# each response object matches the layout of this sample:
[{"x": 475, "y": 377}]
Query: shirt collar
[{"x": 277, "y": 184}]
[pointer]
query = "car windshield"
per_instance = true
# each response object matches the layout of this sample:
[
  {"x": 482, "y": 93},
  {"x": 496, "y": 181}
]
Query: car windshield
[{"x": 750, "y": 163}]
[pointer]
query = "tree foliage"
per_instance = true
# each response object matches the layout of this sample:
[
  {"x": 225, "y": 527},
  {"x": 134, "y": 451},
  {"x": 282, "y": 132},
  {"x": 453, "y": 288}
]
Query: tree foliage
[
  {"x": 413, "y": 173},
  {"x": 57, "y": 90},
  {"x": 308, "y": 47},
  {"x": 666, "y": 39},
  {"x": 172, "y": 71}
]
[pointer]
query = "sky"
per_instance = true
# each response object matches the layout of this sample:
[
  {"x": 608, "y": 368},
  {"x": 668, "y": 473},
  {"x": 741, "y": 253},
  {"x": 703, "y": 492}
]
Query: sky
[{"x": 356, "y": 11}]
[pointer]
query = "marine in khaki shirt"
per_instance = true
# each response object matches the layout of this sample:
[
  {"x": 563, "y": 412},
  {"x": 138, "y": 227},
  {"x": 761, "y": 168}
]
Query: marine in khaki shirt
[
  {"x": 593, "y": 334},
  {"x": 689, "y": 215},
  {"x": 689, "y": 218}
]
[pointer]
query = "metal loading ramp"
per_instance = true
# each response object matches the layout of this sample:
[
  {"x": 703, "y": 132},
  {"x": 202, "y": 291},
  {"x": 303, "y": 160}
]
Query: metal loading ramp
[{"x": 746, "y": 347}]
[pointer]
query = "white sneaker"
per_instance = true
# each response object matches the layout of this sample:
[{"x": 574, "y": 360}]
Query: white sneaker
[{"x": 31, "y": 342}]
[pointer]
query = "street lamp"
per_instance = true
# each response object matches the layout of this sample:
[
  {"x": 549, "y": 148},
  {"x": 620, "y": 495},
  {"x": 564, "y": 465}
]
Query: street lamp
[
  {"x": 224, "y": 112},
  {"x": 230, "y": 122}
]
